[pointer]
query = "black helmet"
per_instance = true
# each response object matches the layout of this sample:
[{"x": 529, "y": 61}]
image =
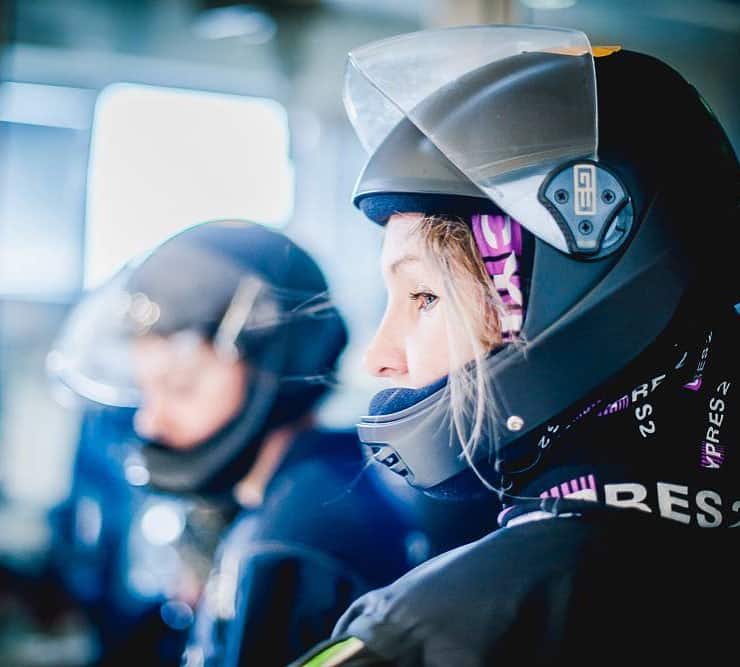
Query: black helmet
[
  {"x": 249, "y": 291},
  {"x": 611, "y": 161}
]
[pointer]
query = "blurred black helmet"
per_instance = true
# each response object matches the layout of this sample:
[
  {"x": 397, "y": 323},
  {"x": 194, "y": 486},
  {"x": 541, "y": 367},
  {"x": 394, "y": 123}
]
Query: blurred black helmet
[{"x": 251, "y": 293}]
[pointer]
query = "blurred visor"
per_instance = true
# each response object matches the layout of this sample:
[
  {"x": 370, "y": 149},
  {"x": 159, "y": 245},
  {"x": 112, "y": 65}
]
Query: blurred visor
[
  {"x": 161, "y": 311},
  {"x": 92, "y": 353}
]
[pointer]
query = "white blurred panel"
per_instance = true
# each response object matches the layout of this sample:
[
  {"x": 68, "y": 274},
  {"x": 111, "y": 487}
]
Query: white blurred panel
[{"x": 163, "y": 159}]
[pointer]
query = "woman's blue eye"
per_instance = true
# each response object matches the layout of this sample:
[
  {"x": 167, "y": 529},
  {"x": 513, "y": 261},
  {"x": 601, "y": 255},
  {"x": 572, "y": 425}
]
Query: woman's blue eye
[{"x": 426, "y": 300}]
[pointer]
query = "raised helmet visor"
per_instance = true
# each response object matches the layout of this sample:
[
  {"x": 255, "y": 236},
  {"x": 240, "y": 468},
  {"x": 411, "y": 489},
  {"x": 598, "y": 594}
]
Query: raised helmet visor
[{"x": 504, "y": 104}]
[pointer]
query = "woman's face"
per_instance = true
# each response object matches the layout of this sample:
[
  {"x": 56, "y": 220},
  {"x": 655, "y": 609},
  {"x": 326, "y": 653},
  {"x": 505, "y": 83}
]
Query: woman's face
[
  {"x": 189, "y": 392},
  {"x": 411, "y": 346}
]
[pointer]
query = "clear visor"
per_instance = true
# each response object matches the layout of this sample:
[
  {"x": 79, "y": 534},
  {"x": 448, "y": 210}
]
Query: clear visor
[
  {"x": 161, "y": 316},
  {"x": 503, "y": 120}
]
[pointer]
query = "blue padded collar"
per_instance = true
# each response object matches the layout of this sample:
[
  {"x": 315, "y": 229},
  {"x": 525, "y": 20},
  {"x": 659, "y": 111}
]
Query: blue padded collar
[{"x": 395, "y": 399}]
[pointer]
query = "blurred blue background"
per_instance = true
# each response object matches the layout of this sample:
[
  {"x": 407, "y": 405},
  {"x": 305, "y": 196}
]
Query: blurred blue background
[{"x": 122, "y": 122}]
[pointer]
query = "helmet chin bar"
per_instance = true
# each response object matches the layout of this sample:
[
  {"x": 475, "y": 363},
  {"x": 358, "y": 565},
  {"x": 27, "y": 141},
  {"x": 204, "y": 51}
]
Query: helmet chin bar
[
  {"x": 401, "y": 439},
  {"x": 214, "y": 466}
]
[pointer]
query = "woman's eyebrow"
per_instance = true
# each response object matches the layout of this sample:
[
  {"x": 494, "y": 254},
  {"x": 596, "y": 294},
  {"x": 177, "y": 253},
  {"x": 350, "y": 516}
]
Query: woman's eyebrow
[{"x": 405, "y": 259}]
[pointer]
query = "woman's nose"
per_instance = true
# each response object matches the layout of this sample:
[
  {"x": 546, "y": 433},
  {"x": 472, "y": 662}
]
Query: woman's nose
[{"x": 386, "y": 356}]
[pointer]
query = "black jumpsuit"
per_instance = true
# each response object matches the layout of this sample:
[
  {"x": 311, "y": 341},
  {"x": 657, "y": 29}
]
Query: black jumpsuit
[
  {"x": 611, "y": 587},
  {"x": 626, "y": 553}
]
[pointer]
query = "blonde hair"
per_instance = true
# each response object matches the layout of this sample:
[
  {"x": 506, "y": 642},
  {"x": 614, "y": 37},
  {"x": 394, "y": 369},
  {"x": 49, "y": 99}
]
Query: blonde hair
[{"x": 475, "y": 313}]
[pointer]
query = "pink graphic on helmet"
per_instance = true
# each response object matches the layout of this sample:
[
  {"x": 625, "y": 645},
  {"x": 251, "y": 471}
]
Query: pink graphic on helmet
[{"x": 499, "y": 241}]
